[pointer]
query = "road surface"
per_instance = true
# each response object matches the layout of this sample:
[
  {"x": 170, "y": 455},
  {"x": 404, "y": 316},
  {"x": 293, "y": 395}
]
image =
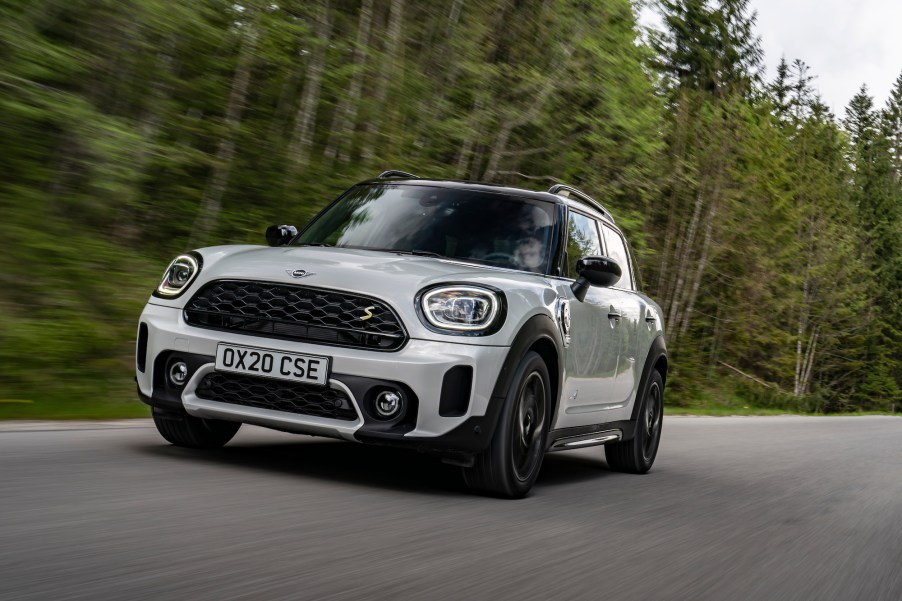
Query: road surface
[{"x": 770, "y": 508}]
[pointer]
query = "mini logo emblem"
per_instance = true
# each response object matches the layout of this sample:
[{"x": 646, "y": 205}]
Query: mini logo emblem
[
  {"x": 367, "y": 313},
  {"x": 299, "y": 273}
]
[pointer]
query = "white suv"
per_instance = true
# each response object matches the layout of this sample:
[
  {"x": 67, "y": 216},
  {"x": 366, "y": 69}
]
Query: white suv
[{"x": 486, "y": 324}]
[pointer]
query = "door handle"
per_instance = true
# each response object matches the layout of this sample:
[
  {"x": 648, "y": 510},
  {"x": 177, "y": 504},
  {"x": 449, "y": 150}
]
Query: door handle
[
  {"x": 613, "y": 314},
  {"x": 650, "y": 318}
]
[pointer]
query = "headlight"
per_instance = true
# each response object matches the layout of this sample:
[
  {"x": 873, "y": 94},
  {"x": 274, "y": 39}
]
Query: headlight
[
  {"x": 461, "y": 308},
  {"x": 179, "y": 275}
]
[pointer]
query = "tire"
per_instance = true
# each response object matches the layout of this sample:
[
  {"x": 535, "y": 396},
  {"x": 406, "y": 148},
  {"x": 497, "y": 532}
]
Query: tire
[
  {"x": 510, "y": 465},
  {"x": 194, "y": 432},
  {"x": 636, "y": 456}
]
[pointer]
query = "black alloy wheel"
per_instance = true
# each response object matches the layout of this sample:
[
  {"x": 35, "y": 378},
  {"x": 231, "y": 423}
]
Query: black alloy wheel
[
  {"x": 529, "y": 424},
  {"x": 511, "y": 463},
  {"x": 653, "y": 416},
  {"x": 636, "y": 456}
]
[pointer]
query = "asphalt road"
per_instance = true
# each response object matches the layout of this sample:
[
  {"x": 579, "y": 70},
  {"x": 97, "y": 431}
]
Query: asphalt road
[{"x": 772, "y": 508}]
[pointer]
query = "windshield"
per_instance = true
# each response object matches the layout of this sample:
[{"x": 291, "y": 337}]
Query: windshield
[{"x": 484, "y": 227}]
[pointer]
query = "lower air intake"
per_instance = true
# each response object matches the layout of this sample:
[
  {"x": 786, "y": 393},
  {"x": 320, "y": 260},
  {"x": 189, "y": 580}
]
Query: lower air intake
[{"x": 277, "y": 395}]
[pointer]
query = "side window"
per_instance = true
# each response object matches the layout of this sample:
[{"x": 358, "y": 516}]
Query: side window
[
  {"x": 582, "y": 241},
  {"x": 617, "y": 251}
]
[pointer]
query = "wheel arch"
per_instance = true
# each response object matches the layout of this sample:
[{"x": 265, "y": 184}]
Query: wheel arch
[
  {"x": 549, "y": 353},
  {"x": 539, "y": 334},
  {"x": 655, "y": 360},
  {"x": 661, "y": 367}
]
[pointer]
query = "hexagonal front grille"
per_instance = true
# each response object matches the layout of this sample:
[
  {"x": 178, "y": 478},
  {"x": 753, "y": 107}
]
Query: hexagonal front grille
[
  {"x": 297, "y": 313},
  {"x": 278, "y": 395}
]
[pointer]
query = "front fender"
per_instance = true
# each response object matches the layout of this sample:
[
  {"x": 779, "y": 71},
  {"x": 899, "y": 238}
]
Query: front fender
[{"x": 473, "y": 435}]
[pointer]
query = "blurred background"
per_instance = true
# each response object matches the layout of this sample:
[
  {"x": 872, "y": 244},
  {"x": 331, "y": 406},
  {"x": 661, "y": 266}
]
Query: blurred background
[{"x": 767, "y": 227}]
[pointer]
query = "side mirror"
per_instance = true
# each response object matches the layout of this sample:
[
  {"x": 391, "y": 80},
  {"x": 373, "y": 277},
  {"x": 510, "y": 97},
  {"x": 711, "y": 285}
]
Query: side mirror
[
  {"x": 280, "y": 235},
  {"x": 595, "y": 271}
]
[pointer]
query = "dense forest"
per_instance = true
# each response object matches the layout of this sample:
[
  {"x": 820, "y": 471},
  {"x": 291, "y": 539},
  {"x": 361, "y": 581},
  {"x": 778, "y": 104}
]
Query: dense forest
[{"x": 769, "y": 229}]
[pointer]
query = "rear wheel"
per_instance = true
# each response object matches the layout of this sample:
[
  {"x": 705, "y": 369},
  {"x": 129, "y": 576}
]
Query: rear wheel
[
  {"x": 511, "y": 463},
  {"x": 184, "y": 430},
  {"x": 636, "y": 456}
]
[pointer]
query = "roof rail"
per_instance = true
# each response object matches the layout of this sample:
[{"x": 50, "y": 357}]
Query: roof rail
[
  {"x": 396, "y": 173},
  {"x": 568, "y": 191}
]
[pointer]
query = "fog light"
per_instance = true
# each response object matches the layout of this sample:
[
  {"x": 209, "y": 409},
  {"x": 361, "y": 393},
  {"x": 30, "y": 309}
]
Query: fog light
[
  {"x": 178, "y": 373},
  {"x": 388, "y": 404}
]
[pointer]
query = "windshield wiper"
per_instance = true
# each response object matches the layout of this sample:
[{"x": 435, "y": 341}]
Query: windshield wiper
[
  {"x": 315, "y": 244},
  {"x": 419, "y": 253},
  {"x": 416, "y": 252}
]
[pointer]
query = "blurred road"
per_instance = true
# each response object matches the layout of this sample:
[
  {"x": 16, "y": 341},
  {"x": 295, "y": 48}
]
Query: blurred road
[{"x": 771, "y": 508}]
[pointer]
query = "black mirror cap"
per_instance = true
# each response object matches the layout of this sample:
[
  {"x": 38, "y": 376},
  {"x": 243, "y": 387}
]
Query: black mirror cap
[
  {"x": 599, "y": 271},
  {"x": 280, "y": 235},
  {"x": 595, "y": 271}
]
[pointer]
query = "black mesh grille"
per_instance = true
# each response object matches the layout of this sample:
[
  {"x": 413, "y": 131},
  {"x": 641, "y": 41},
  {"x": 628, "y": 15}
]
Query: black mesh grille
[
  {"x": 296, "y": 312},
  {"x": 278, "y": 395}
]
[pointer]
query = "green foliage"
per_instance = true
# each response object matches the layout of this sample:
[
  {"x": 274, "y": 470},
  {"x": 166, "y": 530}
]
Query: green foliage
[{"x": 768, "y": 231}]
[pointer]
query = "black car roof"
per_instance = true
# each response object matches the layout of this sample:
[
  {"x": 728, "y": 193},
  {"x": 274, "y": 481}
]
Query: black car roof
[{"x": 571, "y": 202}]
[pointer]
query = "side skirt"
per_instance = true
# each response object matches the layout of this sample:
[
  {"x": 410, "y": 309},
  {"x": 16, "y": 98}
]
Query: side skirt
[{"x": 578, "y": 437}]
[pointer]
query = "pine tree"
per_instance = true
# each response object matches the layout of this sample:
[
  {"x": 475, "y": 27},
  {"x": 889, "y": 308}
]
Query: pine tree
[
  {"x": 876, "y": 199},
  {"x": 710, "y": 47}
]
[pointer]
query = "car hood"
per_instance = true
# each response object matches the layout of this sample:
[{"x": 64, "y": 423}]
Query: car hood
[{"x": 394, "y": 278}]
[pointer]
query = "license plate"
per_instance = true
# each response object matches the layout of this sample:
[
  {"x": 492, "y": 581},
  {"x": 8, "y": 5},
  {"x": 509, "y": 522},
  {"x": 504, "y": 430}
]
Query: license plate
[{"x": 309, "y": 369}]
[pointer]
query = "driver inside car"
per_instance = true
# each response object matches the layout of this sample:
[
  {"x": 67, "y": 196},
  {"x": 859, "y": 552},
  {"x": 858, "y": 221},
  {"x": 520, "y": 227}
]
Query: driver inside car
[{"x": 529, "y": 254}]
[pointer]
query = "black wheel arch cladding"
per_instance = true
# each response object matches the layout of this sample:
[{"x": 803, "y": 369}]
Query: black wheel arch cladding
[
  {"x": 541, "y": 334},
  {"x": 657, "y": 354}
]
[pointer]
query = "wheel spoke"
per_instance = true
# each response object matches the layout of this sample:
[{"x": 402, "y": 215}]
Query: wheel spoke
[
  {"x": 530, "y": 421},
  {"x": 653, "y": 413}
]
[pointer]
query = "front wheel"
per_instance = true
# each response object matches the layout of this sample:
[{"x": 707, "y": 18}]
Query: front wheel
[
  {"x": 636, "y": 456},
  {"x": 184, "y": 430},
  {"x": 511, "y": 463}
]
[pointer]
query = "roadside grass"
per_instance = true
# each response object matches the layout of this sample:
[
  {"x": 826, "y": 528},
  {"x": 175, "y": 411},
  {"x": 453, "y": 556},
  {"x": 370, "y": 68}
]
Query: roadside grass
[
  {"x": 725, "y": 411},
  {"x": 70, "y": 410},
  {"x": 82, "y": 402},
  {"x": 732, "y": 397}
]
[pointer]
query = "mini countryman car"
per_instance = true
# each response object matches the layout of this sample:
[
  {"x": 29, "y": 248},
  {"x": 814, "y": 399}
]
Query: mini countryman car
[{"x": 485, "y": 324}]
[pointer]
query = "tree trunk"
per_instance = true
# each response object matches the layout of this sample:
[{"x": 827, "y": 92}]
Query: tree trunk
[
  {"x": 674, "y": 215},
  {"x": 677, "y": 315},
  {"x": 702, "y": 265},
  {"x": 465, "y": 154},
  {"x": 497, "y": 151},
  {"x": 387, "y": 75},
  {"x": 127, "y": 227},
  {"x": 803, "y": 326},
  {"x": 683, "y": 253},
  {"x": 809, "y": 361},
  {"x": 211, "y": 203},
  {"x": 345, "y": 119},
  {"x": 305, "y": 119},
  {"x": 499, "y": 148}
]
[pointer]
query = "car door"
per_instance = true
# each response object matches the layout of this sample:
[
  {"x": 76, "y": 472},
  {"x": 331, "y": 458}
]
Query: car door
[
  {"x": 632, "y": 324},
  {"x": 589, "y": 390}
]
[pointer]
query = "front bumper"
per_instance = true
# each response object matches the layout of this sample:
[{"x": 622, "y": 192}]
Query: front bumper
[{"x": 421, "y": 366}]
